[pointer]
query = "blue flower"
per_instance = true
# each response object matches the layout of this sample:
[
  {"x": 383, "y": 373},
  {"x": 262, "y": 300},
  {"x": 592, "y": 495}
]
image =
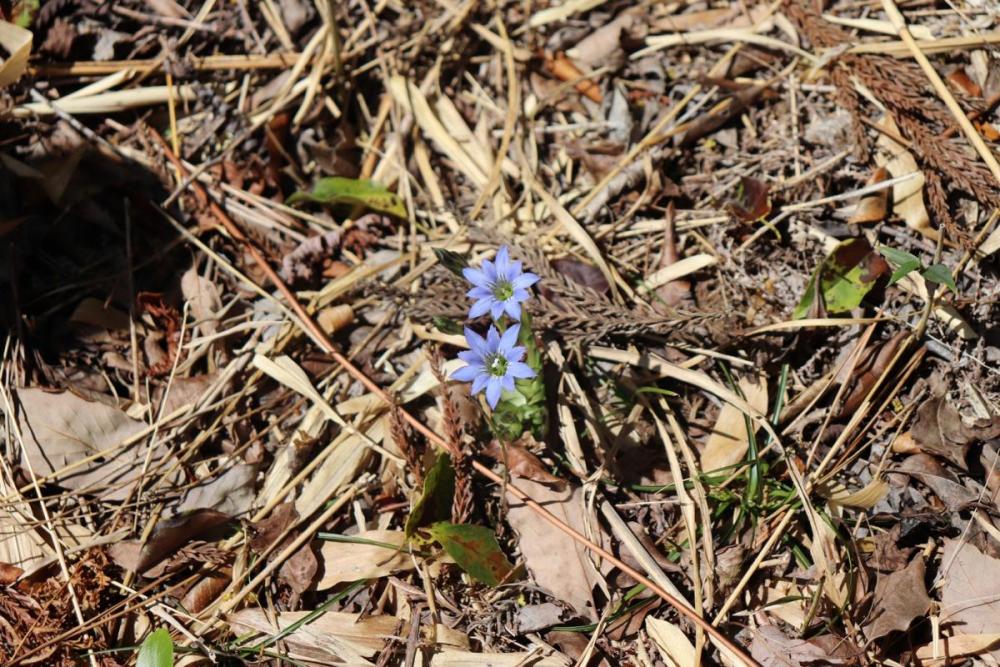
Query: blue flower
[
  {"x": 499, "y": 287},
  {"x": 493, "y": 363}
]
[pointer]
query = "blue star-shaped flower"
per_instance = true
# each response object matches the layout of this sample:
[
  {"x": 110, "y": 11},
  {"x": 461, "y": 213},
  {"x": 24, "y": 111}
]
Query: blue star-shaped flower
[
  {"x": 499, "y": 286},
  {"x": 493, "y": 363}
]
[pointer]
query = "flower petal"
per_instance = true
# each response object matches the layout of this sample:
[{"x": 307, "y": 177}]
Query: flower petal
[
  {"x": 475, "y": 276},
  {"x": 509, "y": 339},
  {"x": 493, "y": 390},
  {"x": 476, "y": 342},
  {"x": 524, "y": 281},
  {"x": 470, "y": 357},
  {"x": 513, "y": 308},
  {"x": 481, "y": 307},
  {"x": 514, "y": 354},
  {"x": 507, "y": 382},
  {"x": 521, "y": 295},
  {"x": 520, "y": 370},
  {"x": 490, "y": 271},
  {"x": 468, "y": 373},
  {"x": 496, "y": 309},
  {"x": 479, "y": 293},
  {"x": 492, "y": 339},
  {"x": 502, "y": 261},
  {"x": 480, "y": 382}
]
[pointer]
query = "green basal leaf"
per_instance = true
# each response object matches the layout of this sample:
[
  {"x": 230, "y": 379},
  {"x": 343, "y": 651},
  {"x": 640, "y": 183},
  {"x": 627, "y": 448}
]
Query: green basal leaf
[
  {"x": 157, "y": 650},
  {"x": 354, "y": 192},
  {"x": 940, "y": 274},
  {"x": 436, "y": 498},
  {"x": 903, "y": 261},
  {"x": 451, "y": 260},
  {"x": 446, "y": 325},
  {"x": 474, "y": 549},
  {"x": 843, "y": 278}
]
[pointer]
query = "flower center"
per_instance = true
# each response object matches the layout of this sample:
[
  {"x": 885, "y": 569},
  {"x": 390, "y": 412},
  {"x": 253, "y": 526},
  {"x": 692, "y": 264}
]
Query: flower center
[
  {"x": 503, "y": 290},
  {"x": 496, "y": 365}
]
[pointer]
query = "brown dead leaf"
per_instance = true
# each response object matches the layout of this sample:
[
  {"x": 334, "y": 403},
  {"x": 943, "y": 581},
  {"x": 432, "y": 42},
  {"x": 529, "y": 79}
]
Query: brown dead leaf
[
  {"x": 9, "y": 573},
  {"x": 555, "y": 561},
  {"x": 728, "y": 442},
  {"x": 899, "y": 598},
  {"x": 335, "y": 636},
  {"x": 206, "y": 590},
  {"x": 874, "y": 362},
  {"x": 168, "y": 536},
  {"x": 964, "y": 83},
  {"x": 62, "y": 429},
  {"x": 873, "y": 207},
  {"x": 887, "y": 555},
  {"x": 753, "y": 200},
  {"x": 907, "y": 196},
  {"x": 231, "y": 493},
  {"x": 940, "y": 480},
  {"x": 205, "y": 300},
  {"x": 351, "y": 561},
  {"x": 940, "y": 430},
  {"x": 773, "y": 648},
  {"x": 949, "y": 650},
  {"x": 522, "y": 463},
  {"x": 582, "y": 273},
  {"x": 970, "y": 591},
  {"x": 563, "y": 69}
]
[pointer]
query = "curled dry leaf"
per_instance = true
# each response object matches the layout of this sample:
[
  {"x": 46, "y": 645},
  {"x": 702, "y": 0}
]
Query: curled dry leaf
[
  {"x": 970, "y": 591},
  {"x": 469, "y": 659},
  {"x": 63, "y": 430},
  {"x": 907, "y": 196},
  {"x": 522, "y": 463},
  {"x": 874, "y": 206},
  {"x": 899, "y": 598},
  {"x": 875, "y": 361},
  {"x": 334, "y": 318},
  {"x": 205, "y": 300},
  {"x": 15, "y": 43},
  {"x": 563, "y": 69},
  {"x": 168, "y": 536},
  {"x": 676, "y": 649},
  {"x": 773, "y": 648},
  {"x": 336, "y": 636},
  {"x": 940, "y": 480},
  {"x": 728, "y": 442},
  {"x": 231, "y": 493},
  {"x": 377, "y": 553},
  {"x": 940, "y": 430},
  {"x": 206, "y": 590},
  {"x": 555, "y": 561}
]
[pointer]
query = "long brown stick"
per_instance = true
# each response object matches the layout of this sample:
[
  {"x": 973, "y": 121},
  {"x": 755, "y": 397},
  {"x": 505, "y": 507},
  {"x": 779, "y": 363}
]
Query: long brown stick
[{"x": 327, "y": 345}]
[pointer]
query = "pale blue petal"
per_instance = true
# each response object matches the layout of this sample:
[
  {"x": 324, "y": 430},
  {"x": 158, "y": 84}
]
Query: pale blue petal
[
  {"x": 468, "y": 373},
  {"x": 502, "y": 261},
  {"x": 476, "y": 342},
  {"x": 493, "y": 390},
  {"x": 509, "y": 339},
  {"x": 475, "y": 276},
  {"x": 490, "y": 271},
  {"x": 480, "y": 382},
  {"x": 481, "y": 307},
  {"x": 514, "y": 354},
  {"x": 512, "y": 308},
  {"x": 519, "y": 369},
  {"x": 470, "y": 357},
  {"x": 524, "y": 280},
  {"x": 521, "y": 295},
  {"x": 480, "y": 293},
  {"x": 507, "y": 382},
  {"x": 492, "y": 339},
  {"x": 496, "y": 309}
]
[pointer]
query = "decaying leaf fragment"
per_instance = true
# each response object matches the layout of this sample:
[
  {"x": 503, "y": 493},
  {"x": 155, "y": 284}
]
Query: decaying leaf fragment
[
  {"x": 900, "y": 597},
  {"x": 940, "y": 430}
]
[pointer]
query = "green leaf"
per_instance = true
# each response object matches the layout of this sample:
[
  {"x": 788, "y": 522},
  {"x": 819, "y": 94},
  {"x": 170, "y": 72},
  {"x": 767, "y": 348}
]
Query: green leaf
[
  {"x": 475, "y": 549},
  {"x": 353, "y": 191},
  {"x": 451, "y": 261},
  {"x": 446, "y": 325},
  {"x": 435, "y": 501},
  {"x": 940, "y": 274},
  {"x": 157, "y": 650},
  {"x": 843, "y": 279},
  {"x": 902, "y": 260}
]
